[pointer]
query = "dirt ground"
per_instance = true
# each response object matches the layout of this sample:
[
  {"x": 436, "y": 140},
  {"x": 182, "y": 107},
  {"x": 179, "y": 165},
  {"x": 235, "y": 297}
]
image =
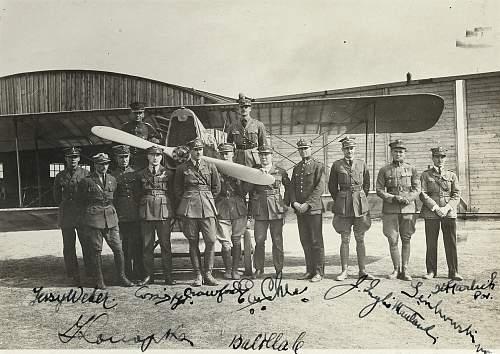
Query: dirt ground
[{"x": 31, "y": 259}]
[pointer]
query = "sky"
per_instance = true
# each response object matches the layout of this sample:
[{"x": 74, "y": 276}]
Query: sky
[{"x": 261, "y": 48}]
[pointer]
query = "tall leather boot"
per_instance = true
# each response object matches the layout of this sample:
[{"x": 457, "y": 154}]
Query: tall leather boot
[
  {"x": 194, "y": 254},
  {"x": 361, "y": 254},
  {"x": 226, "y": 257},
  {"x": 405, "y": 259},
  {"x": 209, "y": 263},
  {"x": 396, "y": 263},
  {"x": 120, "y": 269},
  {"x": 98, "y": 272},
  {"x": 236, "y": 254}
]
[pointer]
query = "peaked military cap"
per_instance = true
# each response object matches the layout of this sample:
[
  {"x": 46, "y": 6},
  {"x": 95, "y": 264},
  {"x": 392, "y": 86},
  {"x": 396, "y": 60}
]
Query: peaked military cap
[
  {"x": 243, "y": 100},
  {"x": 265, "y": 149},
  {"x": 137, "y": 106},
  {"x": 154, "y": 150},
  {"x": 347, "y": 142},
  {"x": 196, "y": 143},
  {"x": 225, "y": 147},
  {"x": 72, "y": 151},
  {"x": 303, "y": 144},
  {"x": 439, "y": 151},
  {"x": 398, "y": 143},
  {"x": 121, "y": 150},
  {"x": 101, "y": 158}
]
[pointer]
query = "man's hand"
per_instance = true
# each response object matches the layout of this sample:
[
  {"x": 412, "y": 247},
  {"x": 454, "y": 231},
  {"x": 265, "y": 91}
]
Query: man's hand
[
  {"x": 438, "y": 211},
  {"x": 405, "y": 201}
]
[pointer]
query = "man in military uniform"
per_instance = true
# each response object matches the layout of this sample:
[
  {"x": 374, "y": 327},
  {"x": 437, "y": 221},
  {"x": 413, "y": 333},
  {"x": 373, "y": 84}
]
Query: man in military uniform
[
  {"x": 144, "y": 130},
  {"x": 306, "y": 187},
  {"x": 156, "y": 213},
  {"x": 268, "y": 209},
  {"x": 95, "y": 193},
  {"x": 232, "y": 208},
  {"x": 247, "y": 134},
  {"x": 196, "y": 184},
  {"x": 65, "y": 186},
  {"x": 399, "y": 186},
  {"x": 127, "y": 210},
  {"x": 349, "y": 185},
  {"x": 440, "y": 197}
]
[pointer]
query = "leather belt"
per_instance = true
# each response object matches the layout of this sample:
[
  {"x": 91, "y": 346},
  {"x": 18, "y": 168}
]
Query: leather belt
[
  {"x": 246, "y": 147},
  {"x": 351, "y": 188},
  {"x": 268, "y": 192},
  {"x": 101, "y": 203},
  {"x": 399, "y": 189},
  {"x": 155, "y": 192},
  {"x": 200, "y": 188}
]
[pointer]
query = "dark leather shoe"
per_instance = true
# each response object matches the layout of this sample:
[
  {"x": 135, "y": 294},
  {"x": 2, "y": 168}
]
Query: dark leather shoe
[
  {"x": 457, "y": 277},
  {"x": 125, "y": 282},
  {"x": 316, "y": 278},
  {"x": 367, "y": 275},
  {"x": 305, "y": 276},
  {"x": 404, "y": 276},
  {"x": 429, "y": 275}
]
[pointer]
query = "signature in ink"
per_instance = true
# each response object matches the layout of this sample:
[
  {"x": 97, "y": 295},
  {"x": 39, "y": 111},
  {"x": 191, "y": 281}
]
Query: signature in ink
[
  {"x": 73, "y": 296},
  {"x": 84, "y": 329},
  {"x": 388, "y": 301},
  {"x": 272, "y": 341},
  {"x": 481, "y": 291},
  {"x": 425, "y": 300}
]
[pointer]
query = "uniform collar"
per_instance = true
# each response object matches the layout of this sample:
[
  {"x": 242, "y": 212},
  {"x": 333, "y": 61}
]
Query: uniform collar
[
  {"x": 267, "y": 168},
  {"x": 398, "y": 164}
]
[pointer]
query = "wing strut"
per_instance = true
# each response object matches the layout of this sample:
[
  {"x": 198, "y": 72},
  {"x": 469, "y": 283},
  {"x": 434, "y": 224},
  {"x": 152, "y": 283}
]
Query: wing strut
[
  {"x": 374, "y": 141},
  {"x": 19, "y": 193}
]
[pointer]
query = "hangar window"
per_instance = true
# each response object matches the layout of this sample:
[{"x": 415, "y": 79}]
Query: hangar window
[
  {"x": 55, "y": 168},
  {"x": 1, "y": 170}
]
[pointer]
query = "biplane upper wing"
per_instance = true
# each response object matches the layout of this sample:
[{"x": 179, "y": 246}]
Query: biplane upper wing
[{"x": 395, "y": 113}]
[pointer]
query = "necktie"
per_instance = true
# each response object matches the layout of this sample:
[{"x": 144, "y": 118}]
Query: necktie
[
  {"x": 244, "y": 122},
  {"x": 439, "y": 170},
  {"x": 197, "y": 165}
]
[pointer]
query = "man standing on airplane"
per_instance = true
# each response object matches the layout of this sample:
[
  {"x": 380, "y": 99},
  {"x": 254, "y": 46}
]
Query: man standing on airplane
[
  {"x": 65, "y": 187},
  {"x": 136, "y": 126},
  {"x": 247, "y": 134}
]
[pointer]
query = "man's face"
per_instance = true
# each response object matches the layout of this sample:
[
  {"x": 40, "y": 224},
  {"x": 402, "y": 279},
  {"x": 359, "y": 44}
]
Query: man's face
[
  {"x": 154, "y": 159},
  {"x": 72, "y": 161},
  {"x": 349, "y": 152},
  {"x": 398, "y": 154},
  {"x": 245, "y": 110},
  {"x": 138, "y": 116},
  {"x": 266, "y": 159},
  {"x": 123, "y": 161},
  {"x": 101, "y": 168},
  {"x": 196, "y": 153},
  {"x": 226, "y": 155},
  {"x": 439, "y": 160},
  {"x": 305, "y": 152}
]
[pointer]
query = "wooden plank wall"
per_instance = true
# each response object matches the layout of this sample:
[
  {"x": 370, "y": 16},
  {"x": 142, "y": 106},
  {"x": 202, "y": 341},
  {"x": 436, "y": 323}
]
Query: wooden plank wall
[
  {"x": 483, "y": 129},
  {"x": 54, "y": 91}
]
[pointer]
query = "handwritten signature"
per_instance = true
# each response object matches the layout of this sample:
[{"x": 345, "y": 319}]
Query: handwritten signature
[
  {"x": 81, "y": 328},
  {"x": 388, "y": 301},
  {"x": 272, "y": 340},
  {"x": 271, "y": 289},
  {"x": 73, "y": 296},
  {"x": 481, "y": 291}
]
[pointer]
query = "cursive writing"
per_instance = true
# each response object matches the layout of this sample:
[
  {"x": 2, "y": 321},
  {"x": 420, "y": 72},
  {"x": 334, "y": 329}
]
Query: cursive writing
[
  {"x": 481, "y": 291},
  {"x": 272, "y": 340},
  {"x": 73, "y": 296},
  {"x": 389, "y": 301},
  {"x": 80, "y": 330},
  {"x": 425, "y": 300}
]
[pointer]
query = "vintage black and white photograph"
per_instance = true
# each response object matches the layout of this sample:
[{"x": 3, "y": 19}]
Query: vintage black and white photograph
[{"x": 276, "y": 176}]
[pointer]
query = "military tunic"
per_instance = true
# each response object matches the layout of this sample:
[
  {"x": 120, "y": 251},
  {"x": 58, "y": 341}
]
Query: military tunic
[
  {"x": 64, "y": 189},
  {"x": 247, "y": 139},
  {"x": 349, "y": 186},
  {"x": 398, "y": 179},
  {"x": 232, "y": 208},
  {"x": 128, "y": 220},
  {"x": 99, "y": 215},
  {"x": 306, "y": 186},
  {"x": 156, "y": 213},
  {"x": 195, "y": 189},
  {"x": 438, "y": 190},
  {"x": 268, "y": 209},
  {"x": 145, "y": 131}
]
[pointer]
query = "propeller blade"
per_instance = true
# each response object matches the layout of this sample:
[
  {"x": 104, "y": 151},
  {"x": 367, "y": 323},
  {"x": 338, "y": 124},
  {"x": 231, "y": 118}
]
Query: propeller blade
[{"x": 232, "y": 169}]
